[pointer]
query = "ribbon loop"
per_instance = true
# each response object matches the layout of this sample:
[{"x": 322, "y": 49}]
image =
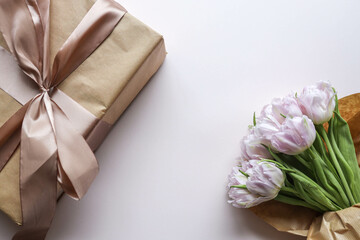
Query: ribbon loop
[{"x": 77, "y": 165}]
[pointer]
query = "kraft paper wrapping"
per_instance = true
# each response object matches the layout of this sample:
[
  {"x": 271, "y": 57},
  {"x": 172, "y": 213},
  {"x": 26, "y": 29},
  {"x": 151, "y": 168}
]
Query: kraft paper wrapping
[
  {"x": 339, "y": 225},
  {"x": 105, "y": 84}
]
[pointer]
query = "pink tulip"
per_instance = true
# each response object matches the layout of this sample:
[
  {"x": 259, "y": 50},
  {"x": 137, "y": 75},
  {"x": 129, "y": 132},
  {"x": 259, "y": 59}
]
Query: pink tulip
[
  {"x": 285, "y": 107},
  {"x": 251, "y": 148},
  {"x": 247, "y": 166},
  {"x": 263, "y": 183},
  {"x": 241, "y": 198},
  {"x": 318, "y": 102},
  {"x": 266, "y": 125},
  {"x": 295, "y": 136},
  {"x": 266, "y": 179}
]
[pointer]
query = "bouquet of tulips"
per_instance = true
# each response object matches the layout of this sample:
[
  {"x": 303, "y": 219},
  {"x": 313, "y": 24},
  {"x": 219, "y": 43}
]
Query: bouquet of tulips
[{"x": 298, "y": 151}]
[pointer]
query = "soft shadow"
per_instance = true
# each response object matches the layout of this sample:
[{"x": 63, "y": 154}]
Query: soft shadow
[
  {"x": 7, "y": 227},
  {"x": 248, "y": 220}
]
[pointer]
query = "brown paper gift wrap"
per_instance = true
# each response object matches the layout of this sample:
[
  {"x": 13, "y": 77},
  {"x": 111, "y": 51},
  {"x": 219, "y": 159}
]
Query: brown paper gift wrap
[
  {"x": 339, "y": 225},
  {"x": 105, "y": 84}
]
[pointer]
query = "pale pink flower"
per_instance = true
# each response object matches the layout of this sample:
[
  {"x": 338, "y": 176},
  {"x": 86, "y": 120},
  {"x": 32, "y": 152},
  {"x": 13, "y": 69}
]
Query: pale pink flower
[
  {"x": 295, "y": 136},
  {"x": 263, "y": 183},
  {"x": 318, "y": 102},
  {"x": 266, "y": 125},
  {"x": 266, "y": 179},
  {"x": 247, "y": 166},
  {"x": 240, "y": 197},
  {"x": 251, "y": 148},
  {"x": 286, "y": 107}
]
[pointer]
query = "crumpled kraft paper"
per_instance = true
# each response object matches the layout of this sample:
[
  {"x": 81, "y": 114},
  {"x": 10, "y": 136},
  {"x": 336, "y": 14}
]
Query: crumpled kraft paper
[{"x": 339, "y": 225}]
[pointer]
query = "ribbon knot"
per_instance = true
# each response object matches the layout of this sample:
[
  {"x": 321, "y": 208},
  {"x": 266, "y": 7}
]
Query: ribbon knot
[
  {"x": 43, "y": 89},
  {"x": 51, "y": 149}
]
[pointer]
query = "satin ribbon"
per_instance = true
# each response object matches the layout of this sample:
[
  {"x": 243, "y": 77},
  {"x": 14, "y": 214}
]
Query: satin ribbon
[{"x": 51, "y": 149}]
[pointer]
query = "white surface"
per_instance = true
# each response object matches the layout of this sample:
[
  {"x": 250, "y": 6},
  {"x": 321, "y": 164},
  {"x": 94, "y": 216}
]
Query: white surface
[{"x": 164, "y": 166}]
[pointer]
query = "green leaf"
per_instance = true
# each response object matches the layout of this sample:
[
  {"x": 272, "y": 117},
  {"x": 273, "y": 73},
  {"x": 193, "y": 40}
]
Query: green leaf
[
  {"x": 319, "y": 145},
  {"x": 244, "y": 173},
  {"x": 342, "y": 136},
  {"x": 313, "y": 194},
  {"x": 344, "y": 140},
  {"x": 336, "y": 102},
  {"x": 239, "y": 186},
  {"x": 296, "y": 201}
]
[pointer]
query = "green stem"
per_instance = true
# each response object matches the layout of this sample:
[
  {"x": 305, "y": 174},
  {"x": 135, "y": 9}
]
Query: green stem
[
  {"x": 320, "y": 172},
  {"x": 303, "y": 162},
  {"x": 321, "y": 194},
  {"x": 289, "y": 190},
  {"x": 317, "y": 193},
  {"x": 323, "y": 207},
  {"x": 296, "y": 202},
  {"x": 344, "y": 201},
  {"x": 346, "y": 167},
  {"x": 335, "y": 162},
  {"x": 324, "y": 155},
  {"x": 279, "y": 165}
]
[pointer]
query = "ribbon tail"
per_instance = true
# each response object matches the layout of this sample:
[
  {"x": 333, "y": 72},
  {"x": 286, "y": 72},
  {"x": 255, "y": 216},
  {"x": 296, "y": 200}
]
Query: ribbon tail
[
  {"x": 38, "y": 171},
  {"x": 77, "y": 165}
]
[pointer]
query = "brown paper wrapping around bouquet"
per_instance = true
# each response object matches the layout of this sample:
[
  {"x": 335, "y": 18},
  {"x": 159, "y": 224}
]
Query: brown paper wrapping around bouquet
[
  {"x": 105, "y": 84},
  {"x": 339, "y": 225}
]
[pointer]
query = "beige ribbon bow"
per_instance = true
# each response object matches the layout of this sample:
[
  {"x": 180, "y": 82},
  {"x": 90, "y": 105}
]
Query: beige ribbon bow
[{"x": 51, "y": 149}]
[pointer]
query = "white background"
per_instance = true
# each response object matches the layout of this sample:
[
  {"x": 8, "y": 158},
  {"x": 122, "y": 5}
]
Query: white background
[{"x": 164, "y": 166}]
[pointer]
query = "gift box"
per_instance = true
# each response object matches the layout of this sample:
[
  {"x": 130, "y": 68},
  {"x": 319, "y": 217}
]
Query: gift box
[
  {"x": 334, "y": 225},
  {"x": 99, "y": 89}
]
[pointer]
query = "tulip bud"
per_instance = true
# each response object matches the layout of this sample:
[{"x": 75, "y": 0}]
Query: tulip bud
[
  {"x": 260, "y": 182},
  {"x": 266, "y": 179},
  {"x": 241, "y": 197},
  {"x": 286, "y": 107},
  {"x": 251, "y": 148},
  {"x": 295, "y": 136},
  {"x": 266, "y": 125},
  {"x": 318, "y": 102}
]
